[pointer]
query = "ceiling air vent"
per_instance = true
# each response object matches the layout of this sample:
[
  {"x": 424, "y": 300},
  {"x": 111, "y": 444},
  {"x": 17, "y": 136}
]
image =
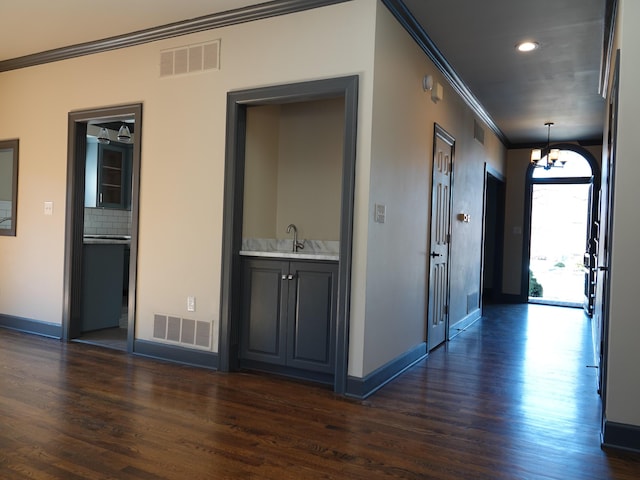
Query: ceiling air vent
[{"x": 190, "y": 59}]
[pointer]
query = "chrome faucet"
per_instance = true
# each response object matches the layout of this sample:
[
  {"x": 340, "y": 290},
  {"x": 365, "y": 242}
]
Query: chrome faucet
[{"x": 296, "y": 244}]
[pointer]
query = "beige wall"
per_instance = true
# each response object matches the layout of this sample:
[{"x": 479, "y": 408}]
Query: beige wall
[
  {"x": 182, "y": 175},
  {"x": 293, "y": 170},
  {"x": 623, "y": 383},
  {"x": 400, "y": 178},
  {"x": 260, "y": 209},
  {"x": 310, "y": 169}
]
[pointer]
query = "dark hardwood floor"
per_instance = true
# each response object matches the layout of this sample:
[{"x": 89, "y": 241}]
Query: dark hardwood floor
[{"x": 512, "y": 397}]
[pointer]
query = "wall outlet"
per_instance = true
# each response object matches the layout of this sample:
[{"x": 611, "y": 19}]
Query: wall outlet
[
  {"x": 191, "y": 304},
  {"x": 48, "y": 208}
]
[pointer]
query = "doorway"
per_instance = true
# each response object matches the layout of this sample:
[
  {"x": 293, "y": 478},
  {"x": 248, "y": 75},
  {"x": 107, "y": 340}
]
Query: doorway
[
  {"x": 560, "y": 208},
  {"x": 493, "y": 235},
  {"x": 232, "y": 299},
  {"x": 102, "y": 226}
]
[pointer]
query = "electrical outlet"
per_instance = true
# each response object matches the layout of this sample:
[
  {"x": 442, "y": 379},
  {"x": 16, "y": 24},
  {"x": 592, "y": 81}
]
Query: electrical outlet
[
  {"x": 48, "y": 208},
  {"x": 191, "y": 304}
]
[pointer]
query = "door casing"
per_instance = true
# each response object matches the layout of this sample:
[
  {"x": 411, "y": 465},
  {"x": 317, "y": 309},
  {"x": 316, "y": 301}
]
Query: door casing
[
  {"x": 237, "y": 104},
  {"x": 74, "y": 226}
]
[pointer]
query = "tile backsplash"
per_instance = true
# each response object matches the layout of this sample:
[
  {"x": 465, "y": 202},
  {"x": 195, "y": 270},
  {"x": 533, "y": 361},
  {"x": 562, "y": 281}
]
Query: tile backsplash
[
  {"x": 107, "y": 221},
  {"x": 5, "y": 212}
]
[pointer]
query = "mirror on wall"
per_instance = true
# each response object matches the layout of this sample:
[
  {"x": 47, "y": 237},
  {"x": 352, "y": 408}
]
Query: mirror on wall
[{"x": 8, "y": 186}]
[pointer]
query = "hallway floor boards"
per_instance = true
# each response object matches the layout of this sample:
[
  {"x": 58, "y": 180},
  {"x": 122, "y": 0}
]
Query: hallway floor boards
[{"x": 512, "y": 397}]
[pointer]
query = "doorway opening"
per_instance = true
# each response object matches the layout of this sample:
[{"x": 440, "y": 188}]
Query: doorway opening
[
  {"x": 234, "y": 301},
  {"x": 102, "y": 226},
  {"x": 561, "y": 208},
  {"x": 493, "y": 235}
]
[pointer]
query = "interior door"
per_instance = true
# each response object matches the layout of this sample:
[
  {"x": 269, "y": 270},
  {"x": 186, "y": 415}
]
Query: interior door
[
  {"x": 604, "y": 238},
  {"x": 438, "y": 311}
]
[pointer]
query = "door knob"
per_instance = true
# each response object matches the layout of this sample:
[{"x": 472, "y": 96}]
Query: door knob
[{"x": 434, "y": 254}]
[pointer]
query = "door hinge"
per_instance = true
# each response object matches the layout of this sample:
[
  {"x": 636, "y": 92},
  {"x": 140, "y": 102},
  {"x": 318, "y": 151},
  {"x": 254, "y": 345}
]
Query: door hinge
[
  {"x": 445, "y": 309},
  {"x": 448, "y": 238}
]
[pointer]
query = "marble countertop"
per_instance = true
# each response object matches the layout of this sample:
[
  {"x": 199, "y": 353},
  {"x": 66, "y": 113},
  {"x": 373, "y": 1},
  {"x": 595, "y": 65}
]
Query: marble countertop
[
  {"x": 291, "y": 255},
  {"x": 106, "y": 239}
]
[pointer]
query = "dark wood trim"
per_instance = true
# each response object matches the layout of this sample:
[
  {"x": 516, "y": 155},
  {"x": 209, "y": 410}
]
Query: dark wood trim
[
  {"x": 175, "y": 354},
  {"x": 28, "y": 325},
  {"x": 402, "y": 14},
  {"x": 621, "y": 436},
  {"x": 363, "y": 387},
  {"x": 74, "y": 227},
  {"x": 610, "y": 17},
  {"x": 237, "y": 103},
  {"x": 464, "y": 323},
  {"x": 218, "y": 20}
]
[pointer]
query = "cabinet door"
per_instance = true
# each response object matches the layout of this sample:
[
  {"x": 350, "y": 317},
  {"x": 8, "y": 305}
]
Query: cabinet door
[
  {"x": 312, "y": 316},
  {"x": 114, "y": 176},
  {"x": 264, "y": 310}
]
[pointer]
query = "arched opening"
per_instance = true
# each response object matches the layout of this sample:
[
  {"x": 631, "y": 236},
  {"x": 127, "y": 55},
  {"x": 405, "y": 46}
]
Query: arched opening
[{"x": 561, "y": 207}]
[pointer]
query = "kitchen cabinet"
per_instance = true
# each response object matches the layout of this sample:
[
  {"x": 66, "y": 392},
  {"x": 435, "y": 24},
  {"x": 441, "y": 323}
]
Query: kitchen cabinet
[
  {"x": 289, "y": 314},
  {"x": 102, "y": 278},
  {"x": 114, "y": 176}
]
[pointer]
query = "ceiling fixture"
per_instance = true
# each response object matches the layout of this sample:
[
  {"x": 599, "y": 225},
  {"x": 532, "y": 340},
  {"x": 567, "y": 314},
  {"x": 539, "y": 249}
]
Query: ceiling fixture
[
  {"x": 527, "y": 46},
  {"x": 103, "y": 136},
  {"x": 552, "y": 156},
  {"x": 124, "y": 135}
]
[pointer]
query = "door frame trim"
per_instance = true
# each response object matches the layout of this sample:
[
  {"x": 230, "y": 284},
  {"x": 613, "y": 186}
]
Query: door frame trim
[
  {"x": 74, "y": 224},
  {"x": 237, "y": 103}
]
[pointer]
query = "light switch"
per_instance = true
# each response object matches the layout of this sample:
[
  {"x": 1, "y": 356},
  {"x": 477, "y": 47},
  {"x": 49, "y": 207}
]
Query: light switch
[
  {"x": 48, "y": 208},
  {"x": 191, "y": 304}
]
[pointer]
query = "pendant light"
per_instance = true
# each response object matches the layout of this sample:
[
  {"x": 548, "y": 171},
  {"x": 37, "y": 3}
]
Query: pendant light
[
  {"x": 103, "y": 136},
  {"x": 553, "y": 154},
  {"x": 124, "y": 135}
]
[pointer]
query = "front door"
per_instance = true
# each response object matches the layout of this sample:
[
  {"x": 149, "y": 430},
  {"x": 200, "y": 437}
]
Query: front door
[{"x": 438, "y": 311}]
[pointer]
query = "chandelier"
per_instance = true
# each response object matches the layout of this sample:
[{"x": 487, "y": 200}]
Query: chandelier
[{"x": 552, "y": 158}]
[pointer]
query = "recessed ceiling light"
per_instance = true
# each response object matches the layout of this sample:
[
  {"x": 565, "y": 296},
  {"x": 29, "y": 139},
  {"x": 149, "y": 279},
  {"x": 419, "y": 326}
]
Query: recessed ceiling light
[{"x": 527, "y": 46}]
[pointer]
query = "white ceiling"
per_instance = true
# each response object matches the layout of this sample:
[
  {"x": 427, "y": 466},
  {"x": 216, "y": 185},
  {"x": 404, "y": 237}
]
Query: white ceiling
[{"x": 558, "y": 82}]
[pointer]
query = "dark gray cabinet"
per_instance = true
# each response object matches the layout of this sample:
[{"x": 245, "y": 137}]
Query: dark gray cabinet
[
  {"x": 114, "y": 176},
  {"x": 289, "y": 314},
  {"x": 102, "y": 276}
]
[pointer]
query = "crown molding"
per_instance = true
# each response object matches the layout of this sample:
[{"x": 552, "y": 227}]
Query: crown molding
[
  {"x": 402, "y": 14},
  {"x": 208, "y": 22}
]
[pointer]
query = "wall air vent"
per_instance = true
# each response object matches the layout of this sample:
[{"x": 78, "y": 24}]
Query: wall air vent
[
  {"x": 478, "y": 131},
  {"x": 194, "y": 58},
  {"x": 182, "y": 330}
]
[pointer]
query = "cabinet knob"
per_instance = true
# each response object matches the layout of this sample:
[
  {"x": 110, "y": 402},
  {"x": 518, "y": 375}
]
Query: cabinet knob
[
  {"x": 284, "y": 277},
  {"x": 290, "y": 277}
]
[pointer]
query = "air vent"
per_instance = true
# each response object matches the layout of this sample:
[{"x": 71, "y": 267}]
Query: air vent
[
  {"x": 182, "y": 330},
  {"x": 190, "y": 59},
  {"x": 478, "y": 132}
]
